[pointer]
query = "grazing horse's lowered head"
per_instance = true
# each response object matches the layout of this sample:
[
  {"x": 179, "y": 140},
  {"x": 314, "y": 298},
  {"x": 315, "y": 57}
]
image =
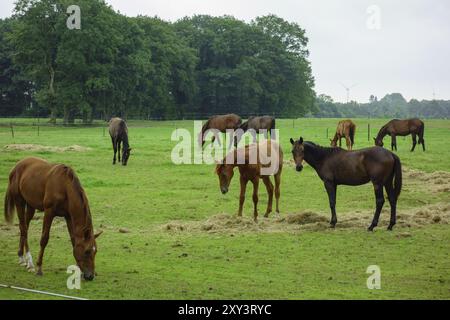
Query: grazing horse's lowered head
[
  {"x": 84, "y": 252},
  {"x": 225, "y": 173},
  {"x": 298, "y": 152}
]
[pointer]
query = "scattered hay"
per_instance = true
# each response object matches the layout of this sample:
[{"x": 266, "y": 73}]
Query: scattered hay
[
  {"x": 124, "y": 230},
  {"x": 311, "y": 221},
  {"x": 436, "y": 182},
  {"x": 37, "y": 148}
]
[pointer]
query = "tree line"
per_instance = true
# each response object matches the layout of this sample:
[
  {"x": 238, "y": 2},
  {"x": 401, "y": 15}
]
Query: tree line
[
  {"x": 392, "y": 105},
  {"x": 149, "y": 68}
]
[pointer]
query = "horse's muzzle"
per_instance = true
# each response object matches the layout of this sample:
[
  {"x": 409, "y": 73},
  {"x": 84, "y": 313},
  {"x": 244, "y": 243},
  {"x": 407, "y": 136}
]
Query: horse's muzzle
[
  {"x": 299, "y": 167},
  {"x": 88, "y": 276},
  {"x": 224, "y": 190}
]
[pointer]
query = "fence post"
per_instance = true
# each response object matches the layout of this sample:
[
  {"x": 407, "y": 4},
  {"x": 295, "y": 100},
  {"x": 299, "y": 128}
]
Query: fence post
[
  {"x": 327, "y": 133},
  {"x": 38, "y": 130},
  {"x": 368, "y": 132},
  {"x": 12, "y": 130}
]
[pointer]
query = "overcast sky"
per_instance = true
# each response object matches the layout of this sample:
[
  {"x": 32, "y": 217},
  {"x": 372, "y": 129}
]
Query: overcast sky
[{"x": 409, "y": 53}]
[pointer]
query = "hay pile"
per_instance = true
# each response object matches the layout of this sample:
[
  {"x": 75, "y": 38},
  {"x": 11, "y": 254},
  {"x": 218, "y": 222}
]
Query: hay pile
[
  {"x": 37, "y": 148},
  {"x": 308, "y": 220},
  {"x": 436, "y": 182}
]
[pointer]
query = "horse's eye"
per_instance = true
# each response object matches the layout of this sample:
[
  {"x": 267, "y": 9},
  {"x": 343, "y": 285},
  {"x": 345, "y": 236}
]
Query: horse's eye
[{"x": 87, "y": 252}]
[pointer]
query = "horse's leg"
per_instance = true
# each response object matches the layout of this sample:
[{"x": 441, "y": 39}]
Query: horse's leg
[
  {"x": 118, "y": 148},
  {"x": 48, "y": 219},
  {"x": 20, "y": 206},
  {"x": 277, "y": 178},
  {"x": 243, "y": 182},
  {"x": 331, "y": 190},
  {"x": 28, "y": 257},
  {"x": 379, "y": 203},
  {"x": 340, "y": 142},
  {"x": 255, "y": 182},
  {"x": 393, "y": 142},
  {"x": 70, "y": 229},
  {"x": 414, "y": 141},
  {"x": 115, "y": 149},
  {"x": 348, "y": 143},
  {"x": 269, "y": 187},
  {"x": 393, "y": 203},
  {"x": 421, "y": 140}
]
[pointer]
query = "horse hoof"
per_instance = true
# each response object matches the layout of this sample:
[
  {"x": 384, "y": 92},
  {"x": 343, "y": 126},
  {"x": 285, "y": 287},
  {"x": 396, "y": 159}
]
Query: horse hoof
[
  {"x": 38, "y": 273},
  {"x": 370, "y": 228},
  {"x": 332, "y": 226},
  {"x": 390, "y": 228}
]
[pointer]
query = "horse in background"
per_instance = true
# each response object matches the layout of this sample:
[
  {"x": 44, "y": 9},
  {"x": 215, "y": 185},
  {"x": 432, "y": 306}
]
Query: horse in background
[
  {"x": 257, "y": 125},
  {"x": 35, "y": 184},
  {"x": 220, "y": 123},
  {"x": 336, "y": 166},
  {"x": 119, "y": 134},
  {"x": 250, "y": 171},
  {"x": 396, "y": 127},
  {"x": 345, "y": 129}
]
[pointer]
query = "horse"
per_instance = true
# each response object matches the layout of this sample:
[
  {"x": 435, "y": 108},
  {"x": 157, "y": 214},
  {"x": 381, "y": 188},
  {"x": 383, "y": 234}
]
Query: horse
[
  {"x": 257, "y": 125},
  {"x": 336, "y": 166},
  {"x": 220, "y": 123},
  {"x": 35, "y": 184},
  {"x": 119, "y": 133},
  {"x": 252, "y": 168},
  {"x": 345, "y": 129},
  {"x": 398, "y": 127}
]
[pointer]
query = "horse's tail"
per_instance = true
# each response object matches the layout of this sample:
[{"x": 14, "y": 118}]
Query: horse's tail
[
  {"x": 397, "y": 176},
  {"x": 421, "y": 133},
  {"x": 205, "y": 127},
  {"x": 9, "y": 204},
  {"x": 352, "y": 134}
]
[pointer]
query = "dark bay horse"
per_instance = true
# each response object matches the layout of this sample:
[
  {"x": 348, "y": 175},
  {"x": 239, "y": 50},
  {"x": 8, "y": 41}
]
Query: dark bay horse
[
  {"x": 336, "y": 166},
  {"x": 252, "y": 168},
  {"x": 257, "y": 125},
  {"x": 35, "y": 184},
  {"x": 396, "y": 127},
  {"x": 119, "y": 133},
  {"x": 345, "y": 129},
  {"x": 220, "y": 123}
]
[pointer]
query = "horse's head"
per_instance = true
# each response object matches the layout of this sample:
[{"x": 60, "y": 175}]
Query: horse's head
[
  {"x": 333, "y": 143},
  {"x": 125, "y": 155},
  {"x": 378, "y": 141},
  {"x": 84, "y": 252},
  {"x": 225, "y": 173},
  {"x": 298, "y": 152}
]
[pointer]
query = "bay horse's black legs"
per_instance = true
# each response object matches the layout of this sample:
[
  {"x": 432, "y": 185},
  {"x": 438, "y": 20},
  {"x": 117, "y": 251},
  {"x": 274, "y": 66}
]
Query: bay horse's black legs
[
  {"x": 269, "y": 187},
  {"x": 115, "y": 149},
  {"x": 331, "y": 190},
  {"x": 393, "y": 203},
  {"x": 414, "y": 140},
  {"x": 379, "y": 203},
  {"x": 393, "y": 142},
  {"x": 118, "y": 149}
]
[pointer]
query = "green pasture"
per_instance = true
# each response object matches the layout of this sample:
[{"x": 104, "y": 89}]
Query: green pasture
[{"x": 153, "y": 261}]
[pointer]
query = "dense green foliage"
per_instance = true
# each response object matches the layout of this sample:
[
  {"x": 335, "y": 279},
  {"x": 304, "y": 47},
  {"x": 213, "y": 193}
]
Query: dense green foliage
[
  {"x": 390, "y": 106},
  {"x": 148, "y": 68}
]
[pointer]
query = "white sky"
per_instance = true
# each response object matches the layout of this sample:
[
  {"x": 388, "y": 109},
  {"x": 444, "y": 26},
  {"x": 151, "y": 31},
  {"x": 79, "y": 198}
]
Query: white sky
[{"x": 410, "y": 53}]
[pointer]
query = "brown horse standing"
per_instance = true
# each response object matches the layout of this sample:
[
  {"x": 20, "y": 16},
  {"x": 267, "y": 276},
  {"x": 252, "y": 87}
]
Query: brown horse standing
[
  {"x": 336, "y": 166},
  {"x": 257, "y": 125},
  {"x": 251, "y": 166},
  {"x": 394, "y": 128},
  {"x": 119, "y": 133},
  {"x": 220, "y": 123},
  {"x": 35, "y": 184},
  {"x": 345, "y": 129}
]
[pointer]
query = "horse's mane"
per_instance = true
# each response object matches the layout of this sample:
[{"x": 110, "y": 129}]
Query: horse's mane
[
  {"x": 322, "y": 151},
  {"x": 78, "y": 189}
]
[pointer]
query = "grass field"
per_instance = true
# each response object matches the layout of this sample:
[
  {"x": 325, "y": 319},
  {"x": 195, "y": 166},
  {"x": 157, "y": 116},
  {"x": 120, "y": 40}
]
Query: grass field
[{"x": 185, "y": 243}]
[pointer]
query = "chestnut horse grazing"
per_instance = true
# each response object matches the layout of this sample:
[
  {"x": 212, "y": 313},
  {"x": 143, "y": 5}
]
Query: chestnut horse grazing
[
  {"x": 394, "y": 128},
  {"x": 220, "y": 123},
  {"x": 119, "y": 133},
  {"x": 345, "y": 129},
  {"x": 253, "y": 163},
  {"x": 257, "y": 125},
  {"x": 336, "y": 166},
  {"x": 35, "y": 184}
]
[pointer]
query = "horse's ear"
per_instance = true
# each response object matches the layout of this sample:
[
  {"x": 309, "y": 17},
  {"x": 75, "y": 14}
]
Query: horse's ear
[
  {"x": 98, "y": 234},
  {"x": 301, "y": 140},
  {"x": 292, "y": 141}
]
